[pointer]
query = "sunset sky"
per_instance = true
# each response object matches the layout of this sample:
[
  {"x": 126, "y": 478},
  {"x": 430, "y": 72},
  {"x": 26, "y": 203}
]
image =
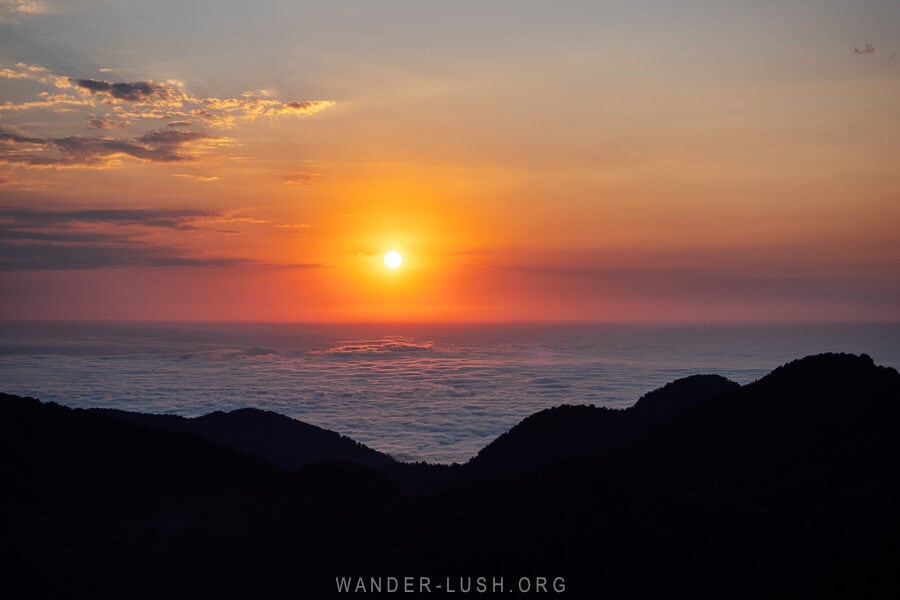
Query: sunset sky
[{"x": 634, "y": 160}]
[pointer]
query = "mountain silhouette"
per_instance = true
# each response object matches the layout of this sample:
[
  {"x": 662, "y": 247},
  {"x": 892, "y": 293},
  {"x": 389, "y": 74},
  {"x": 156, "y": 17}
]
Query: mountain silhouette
[
  {"x": 99, "y": 507},
  {"x": 787, "y": 486},
  {"x": 571, "y": 432},
  {"x": 811, "y": 424},
  {"x": 784, "y": 487},
  {"x": 284, "y": 442}
]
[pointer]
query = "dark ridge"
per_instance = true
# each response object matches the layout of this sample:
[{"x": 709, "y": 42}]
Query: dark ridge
[
  {"x": 807, "y": 424},
  {"x": 571, "y": 432},
  {"x": 95, "y": 506},
  {"x": 787, "y": 487},
  {"x": 74, "y": 444},
  {"x": 662, "y": 405},
  {"x": 284, "y": 442}
]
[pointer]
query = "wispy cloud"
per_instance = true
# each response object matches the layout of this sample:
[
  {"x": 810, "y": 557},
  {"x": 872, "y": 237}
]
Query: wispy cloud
[
  {"x": 300, "y": 178},
  {"x": 293, "y": 226},
  {"x": 54, "y": 97},
  {"x": 60, "y": 239},
  {"x": 96, "y": 256},
  {"x": 99, "y": 238},
  {"x": 22, "y": 71},
  {"x": 227, "y": 112},
  {"x": 163, "y": 146},
  {"x": 27, "y": 72},
  {"x": 46, "y": 100},
  {"x": 29, "y": 219},
  {"x": 201, "y": 178},
  {"x": 107, "y": 123},
  {"x": 240, "y": 219}
]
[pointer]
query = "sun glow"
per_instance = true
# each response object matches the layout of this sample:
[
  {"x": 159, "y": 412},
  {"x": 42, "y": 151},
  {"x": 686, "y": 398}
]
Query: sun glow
[{"x": 393, "y": 259}]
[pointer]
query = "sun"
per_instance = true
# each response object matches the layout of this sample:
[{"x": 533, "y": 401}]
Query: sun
[{"x": 393, "y": 259}]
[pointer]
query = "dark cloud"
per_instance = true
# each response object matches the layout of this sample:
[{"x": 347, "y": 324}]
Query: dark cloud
[
  {"x": 56, "y": 240},
  {"x": 46, "y": 256},
  {"x": 164, "y": 145},
  {"x": 10, "y": 137},
  {"x": 301, "y": 106},
  {"x": 867, "y": 49},
  {"x": 138, "y": 91},
  {"x": 10, "y": 233},
  {"x": 107, "y": 123},
  {"x": 170, "y": 137},
  {"x": 24, "y": 219},
  {"x": 59, "y": 240}
]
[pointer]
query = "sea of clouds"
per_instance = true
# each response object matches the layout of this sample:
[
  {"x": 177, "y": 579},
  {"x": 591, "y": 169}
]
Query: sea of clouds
[{"x": 418, "y": 393}]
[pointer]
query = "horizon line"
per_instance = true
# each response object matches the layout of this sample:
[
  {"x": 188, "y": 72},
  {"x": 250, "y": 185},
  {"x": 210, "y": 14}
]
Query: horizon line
[{"x": 145, "y": 321}]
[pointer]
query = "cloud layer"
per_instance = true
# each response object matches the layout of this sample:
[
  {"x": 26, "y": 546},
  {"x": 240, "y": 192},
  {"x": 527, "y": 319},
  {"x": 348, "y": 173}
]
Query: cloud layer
[
  {"x": 374, "y": 348},
  {"x": 441, "y": 405}
]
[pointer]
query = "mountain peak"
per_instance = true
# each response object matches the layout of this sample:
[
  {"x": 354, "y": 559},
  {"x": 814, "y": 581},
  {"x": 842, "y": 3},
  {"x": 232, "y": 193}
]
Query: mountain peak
[
  {"x": 570, "y": 432},
  {"x": 828, "y": 374}
]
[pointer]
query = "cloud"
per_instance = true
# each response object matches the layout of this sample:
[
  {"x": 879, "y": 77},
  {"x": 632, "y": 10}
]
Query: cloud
[
  {"x": 26, "y": 72},
  {"x": 300, "y": 178},
  {"x": 159, "y": 100},
  {"x": 87, "y": 237},
  {"x": 227, "y": 112},
  {"x": 240, "y": 219},
  {"x": 7, "y": 73},
  {"x": 162, "y": 146},
  {"x": 388, "y": 345},
  {"x": 11, "y": 9},
  {"x": 9, "y": 136},
  {"x": 201, "y": 178},
  {"x": 867, "y": 49},
  {"x": 55, "y": 257},
  {"x": 170, "y": 137},
  {"x": 57, "y": 102},
  {"x": 180, "y": 218},
  {"x": 310, "y": 107},
  {"x": 109, "y": 105},
  {"x": 107, "y": 123},
  {"x": 69, "y": 239},
  {"x": 293, "y": 226},
  {"x": 138, "y": 91}
]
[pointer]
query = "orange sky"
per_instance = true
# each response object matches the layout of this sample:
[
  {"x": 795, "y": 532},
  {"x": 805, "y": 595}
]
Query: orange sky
[{"x": 626, "y": 162}]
